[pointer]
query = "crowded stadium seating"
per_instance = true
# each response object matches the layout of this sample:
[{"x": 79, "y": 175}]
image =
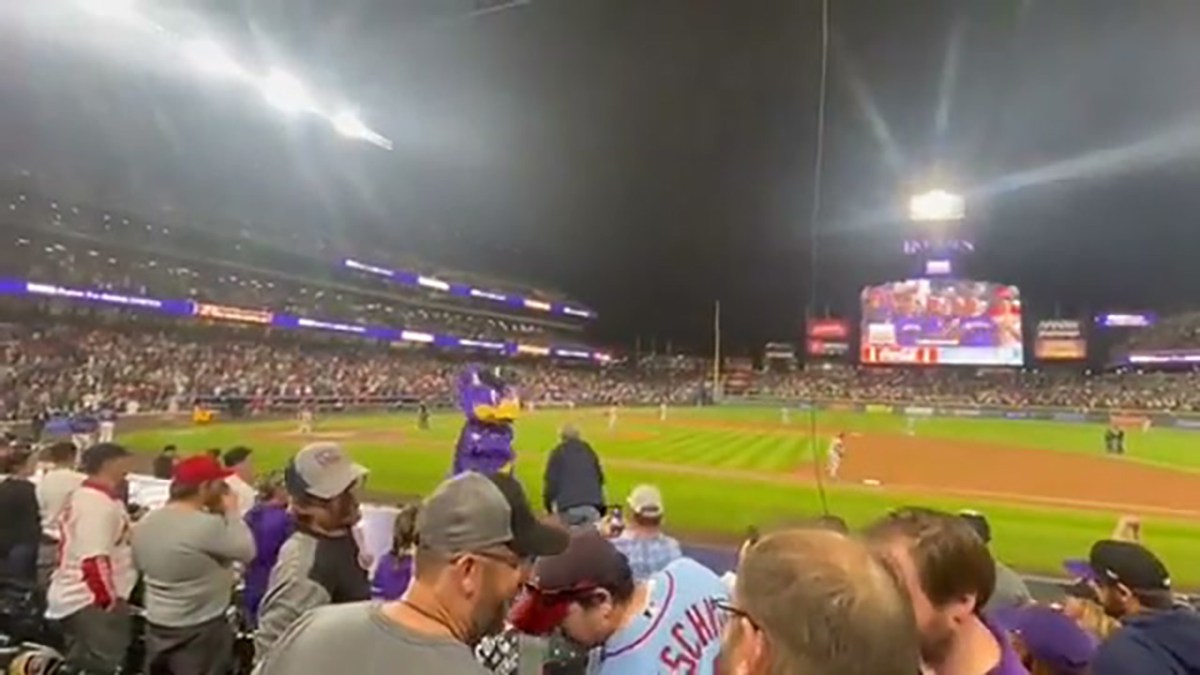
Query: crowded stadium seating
[
  {"x": 55, "y": 360},
  {"x": 51, "y": 242}
]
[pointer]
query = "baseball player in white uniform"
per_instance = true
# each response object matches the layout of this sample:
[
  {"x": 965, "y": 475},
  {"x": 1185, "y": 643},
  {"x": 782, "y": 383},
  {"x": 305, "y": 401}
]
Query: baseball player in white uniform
[
  {"x": 306, "y": 421},
  {"x": 837, "y": 449}
]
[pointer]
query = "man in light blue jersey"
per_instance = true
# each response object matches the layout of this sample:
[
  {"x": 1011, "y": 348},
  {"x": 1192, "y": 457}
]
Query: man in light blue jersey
[{"x": 669, "y": 623}]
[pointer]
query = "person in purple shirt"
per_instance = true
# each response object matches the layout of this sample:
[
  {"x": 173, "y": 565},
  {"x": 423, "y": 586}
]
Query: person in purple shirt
[
  {"x": 950, "y": 575},
  {"x": 271, "y": 525},
  {"x": 394, "y": 570}
]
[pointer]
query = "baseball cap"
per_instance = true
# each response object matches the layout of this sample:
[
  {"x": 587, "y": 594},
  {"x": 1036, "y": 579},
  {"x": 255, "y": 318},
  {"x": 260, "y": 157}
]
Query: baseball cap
[
  {"x": 322, "y": 470},
  {"x": 1123, "y": 562},
  {"x": 95, "y": 457},
  {"x": 236, "y": 455},
  {"x": 590, "y": 562},
  {"x": 1050, "y": 637},
  {"x": 646, "y": 500},
  {"x": 473, "y": 511},
  {"x": 979, "y": 523},
  {"x": 199, "y": 469}
]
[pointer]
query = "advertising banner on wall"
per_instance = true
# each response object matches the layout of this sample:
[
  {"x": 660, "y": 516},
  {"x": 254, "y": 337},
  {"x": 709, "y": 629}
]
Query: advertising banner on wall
[
  {"x": 828, "y": 338},
  {"x": 1060, "y": 340}
]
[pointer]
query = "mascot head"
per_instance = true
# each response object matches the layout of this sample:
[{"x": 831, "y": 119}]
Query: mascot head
[
  {"x": 495, "y": 378},
  {"x": 484, "y": 390}
]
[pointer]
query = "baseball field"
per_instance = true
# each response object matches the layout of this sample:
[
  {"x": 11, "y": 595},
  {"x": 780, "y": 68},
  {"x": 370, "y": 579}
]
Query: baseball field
[{"x": 1047, "y": 487}]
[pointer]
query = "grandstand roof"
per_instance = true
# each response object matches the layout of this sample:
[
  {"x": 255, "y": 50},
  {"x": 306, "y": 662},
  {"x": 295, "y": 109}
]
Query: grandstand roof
[{"x": 648, "y": 156}]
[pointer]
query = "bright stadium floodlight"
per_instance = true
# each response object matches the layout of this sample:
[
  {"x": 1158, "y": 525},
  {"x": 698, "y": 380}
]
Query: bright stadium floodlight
[
  {"x": 348, "y": 124},
  {"x": 282, "y": 90},
  {"x": 209, "y": 58},
  {"x": 936, "y": 206}
]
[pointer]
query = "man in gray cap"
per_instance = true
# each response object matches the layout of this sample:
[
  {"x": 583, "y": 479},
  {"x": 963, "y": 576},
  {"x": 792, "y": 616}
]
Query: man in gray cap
[
  {"x": 477, "y": 539},
  {"x": 319, "y": 563}
]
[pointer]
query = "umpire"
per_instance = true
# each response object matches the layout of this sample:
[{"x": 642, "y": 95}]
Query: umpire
[{"x": 574, "y": 482}]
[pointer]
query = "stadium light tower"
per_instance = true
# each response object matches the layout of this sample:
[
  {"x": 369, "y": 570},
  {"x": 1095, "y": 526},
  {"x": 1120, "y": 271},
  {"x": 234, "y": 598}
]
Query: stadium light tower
[{"x": 936, "y": 206}]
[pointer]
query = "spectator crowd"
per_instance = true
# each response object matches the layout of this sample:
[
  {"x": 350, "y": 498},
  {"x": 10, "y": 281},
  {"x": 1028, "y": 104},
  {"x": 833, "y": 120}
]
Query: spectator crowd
[{"x": 152, "y": 365}]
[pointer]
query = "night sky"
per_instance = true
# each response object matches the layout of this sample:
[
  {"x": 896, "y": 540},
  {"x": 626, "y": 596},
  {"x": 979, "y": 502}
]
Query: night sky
[{"x": 651, "y": 156}]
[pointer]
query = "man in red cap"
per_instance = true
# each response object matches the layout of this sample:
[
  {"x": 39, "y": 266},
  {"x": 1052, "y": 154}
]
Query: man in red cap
[{"x": 186, "y": 552}]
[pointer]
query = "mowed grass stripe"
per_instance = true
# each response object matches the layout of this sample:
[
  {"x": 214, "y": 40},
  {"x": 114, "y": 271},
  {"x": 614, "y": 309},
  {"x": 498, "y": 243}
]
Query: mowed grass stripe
[
  {"x": 759, "y": 453},
  {"x": 741, "y": 446},
  {"x": 707, "y": 449},
  {"x": 672, "y": 448},
  {"x": 778, "y": 457}
]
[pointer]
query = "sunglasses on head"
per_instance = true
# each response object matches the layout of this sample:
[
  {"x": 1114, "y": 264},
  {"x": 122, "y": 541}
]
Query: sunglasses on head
[{"x": 561, "y": 595}]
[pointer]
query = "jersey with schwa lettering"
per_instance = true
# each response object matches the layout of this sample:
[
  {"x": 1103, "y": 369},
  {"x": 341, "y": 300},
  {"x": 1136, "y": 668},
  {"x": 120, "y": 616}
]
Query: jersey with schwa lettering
[{"x": 680, "y": 629}]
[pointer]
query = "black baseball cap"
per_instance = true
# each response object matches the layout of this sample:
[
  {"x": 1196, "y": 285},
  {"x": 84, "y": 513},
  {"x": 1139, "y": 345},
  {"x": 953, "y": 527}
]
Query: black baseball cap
[
  {"x": 979, "y": 523},
  {"x": 589, "y": 563},
  {"x": 236, "y": 455},
  {"x": 95, "y": 457},
  {"x": 1122, "y": 562}
]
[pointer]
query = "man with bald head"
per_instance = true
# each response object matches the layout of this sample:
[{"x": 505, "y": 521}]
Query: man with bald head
[
  {"x": 573, "y": 486},
  {"x": 815, "y": 602}
]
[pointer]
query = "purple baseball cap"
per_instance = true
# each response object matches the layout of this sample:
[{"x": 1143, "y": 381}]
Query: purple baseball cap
[{"x": 1050, "y": 637}]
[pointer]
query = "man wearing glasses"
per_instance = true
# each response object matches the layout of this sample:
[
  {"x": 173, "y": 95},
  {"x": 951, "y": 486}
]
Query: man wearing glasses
[
  {"x": 817, "y": 602},
  {"x": 477, "y": 538},
  {"x": 670, "y": 623}
]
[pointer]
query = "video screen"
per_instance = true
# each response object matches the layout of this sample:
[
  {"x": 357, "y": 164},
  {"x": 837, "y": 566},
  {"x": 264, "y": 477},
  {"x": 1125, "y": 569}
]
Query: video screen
[{"x": 942, "y": 322}]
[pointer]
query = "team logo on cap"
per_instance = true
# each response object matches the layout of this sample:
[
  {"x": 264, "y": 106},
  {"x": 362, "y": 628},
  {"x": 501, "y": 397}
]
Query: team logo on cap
[{"x": 327, "y": 457}]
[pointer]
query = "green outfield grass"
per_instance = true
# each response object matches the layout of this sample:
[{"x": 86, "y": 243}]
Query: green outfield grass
[{"x": 719, "y": 505}]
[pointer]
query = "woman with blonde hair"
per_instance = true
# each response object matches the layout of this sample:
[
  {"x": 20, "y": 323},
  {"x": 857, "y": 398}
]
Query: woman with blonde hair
[
  {"x": 1083, "y": 606},
  {"x": 394, "y": 570}
]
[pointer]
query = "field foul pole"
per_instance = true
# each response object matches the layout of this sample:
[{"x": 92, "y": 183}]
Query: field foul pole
[{"x": 716, "y": 372}]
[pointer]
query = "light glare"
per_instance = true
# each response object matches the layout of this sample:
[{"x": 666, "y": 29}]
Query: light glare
[
  {"x": 284, "y": 91},
  {"x": 936, "y": 205},
  {"x": 120, "y": 11},
  {"x": 210, "y": 59},
  {"x": 348, "y": 124}
]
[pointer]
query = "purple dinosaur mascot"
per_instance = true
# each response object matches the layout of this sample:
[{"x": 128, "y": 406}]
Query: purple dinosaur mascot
[{"x": 491, "y": 406}]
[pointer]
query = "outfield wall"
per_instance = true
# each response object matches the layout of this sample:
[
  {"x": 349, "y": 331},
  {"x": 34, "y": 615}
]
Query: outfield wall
[{"x": 1123, "y": 418}]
